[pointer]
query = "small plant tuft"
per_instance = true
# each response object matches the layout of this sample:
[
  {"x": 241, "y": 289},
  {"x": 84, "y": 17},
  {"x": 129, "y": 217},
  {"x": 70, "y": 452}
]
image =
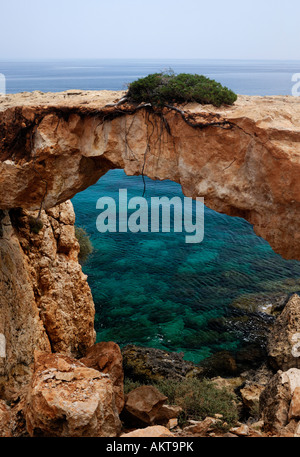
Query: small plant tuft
[
  {"x": 86, "y": 247},
  {"x": 164, "y": 88},
  {"x": 35, "y": 224}
]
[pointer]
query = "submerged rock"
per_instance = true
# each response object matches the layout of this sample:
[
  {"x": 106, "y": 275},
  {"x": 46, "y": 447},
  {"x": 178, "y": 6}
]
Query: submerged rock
[{"x": 269, "y": 303}]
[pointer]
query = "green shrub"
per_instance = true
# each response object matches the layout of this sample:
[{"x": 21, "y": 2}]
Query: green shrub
[
  {"x": 86, "y": 247},
  {"x": 130, "y": 385},
  {"x": 35, "y": 224},
  {"x": 166, "y": 87},
  {"x": 198, "y": 398}
]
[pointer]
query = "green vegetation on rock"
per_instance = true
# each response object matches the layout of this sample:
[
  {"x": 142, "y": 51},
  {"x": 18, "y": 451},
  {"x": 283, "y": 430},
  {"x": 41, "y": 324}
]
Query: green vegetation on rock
[
  {"x": 166, "y": 88},
  {"x": 86, "y": 247},
  {"x": 35, "y": 224},
  {"x": 199, "y": 398}
]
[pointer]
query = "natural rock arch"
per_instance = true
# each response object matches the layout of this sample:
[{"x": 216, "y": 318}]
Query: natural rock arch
[{"x": 244, "y": 160}]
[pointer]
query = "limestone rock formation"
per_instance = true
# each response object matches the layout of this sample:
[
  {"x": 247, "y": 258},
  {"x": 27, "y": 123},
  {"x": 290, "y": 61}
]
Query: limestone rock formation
[
  {"x": 67, "y": 399},
  {"x": 107, "y": 358},
  {"x": 167, "y": 413},
  {"x": 250, "y": 396},
  {"x": 244, "y": 159},
  {"x": 155, "y": 431},
  {"x": 284, "y": 340},
  {"x": 5, "y": 420},
  {"x": 45, "y": 300},
  {"x": 151, "y": 364},
  {"x": 143, "y": 404},
  {"x": 275, "y": 402}
]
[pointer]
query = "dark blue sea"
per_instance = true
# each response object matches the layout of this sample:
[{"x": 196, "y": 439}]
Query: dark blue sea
[{"x": 153, "y": 289}]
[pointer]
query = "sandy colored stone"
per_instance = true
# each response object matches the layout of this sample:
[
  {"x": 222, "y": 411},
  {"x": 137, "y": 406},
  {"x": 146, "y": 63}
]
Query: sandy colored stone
[
  {"x": 242, "y": 430},
  {"x": 155, "y": 431},
  {"x": 297, "y": 431},
  {"x": 45, "y": 300},
  {"x": 284, "y": 340},
  {"x": 201, "y": 427},
  {"x": 107, "y": 358},
  {"x": 5, "y": 420},
  {"x": 78, "y": 402},
  {"x": 294, "y": 412},
  {"x": 172, "y": 423},
  {"x": 250, "y": 396},
  {"x": 167, "y": 412},
  {"x": 275, "y": 400},
  {"x": 144, "y": 404},
  {"x": 245, "y": 158}
]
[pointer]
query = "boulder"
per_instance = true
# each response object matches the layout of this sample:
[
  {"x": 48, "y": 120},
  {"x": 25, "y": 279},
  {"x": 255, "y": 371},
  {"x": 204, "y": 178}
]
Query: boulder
[
  {"x": 294, "y": 412},
  {"x": 67, "y": 399},
  {"x": 144, "y": 364},
  {"x": 201, "y": 427},
  {"x": 167, "y": 413},
  {"x": 275, "y": 399},
  {"x": 156, "y": 431},
  {"x": 106, "y": 357},
  {"x": 143, "y": 404},
  {"x": 5, "y": 420},
  {"x": 250, "y": 396},
  {"x": 242, "y": 430},
  {"x": 284, "y": 341}
]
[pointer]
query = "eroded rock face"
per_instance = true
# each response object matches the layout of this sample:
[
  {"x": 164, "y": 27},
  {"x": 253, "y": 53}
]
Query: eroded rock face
[
  {"x": 5, "y": 420},
  {"x": 275, "y": 401},
  {"x": 284, "y": 339},
  {"x": 107, "y": 358},
  {"x": 143, "y": 404},
  {"x": 68, "y": 399},
  {"x": 244, "y": 159},
  {"x": 155, "y": 431},
  {"x": 151, "y": 364},
  {"x": 45, "y": 301}
]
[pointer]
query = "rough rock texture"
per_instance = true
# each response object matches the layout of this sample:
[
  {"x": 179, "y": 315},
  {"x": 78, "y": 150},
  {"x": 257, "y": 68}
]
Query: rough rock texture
[
  {"x": 250, "y": 396},
  {"x": 107, "y": 358},
  {"x": 144, "y": 364},
  {"x": 244, "y": 159},
  {"x": 294, "y": 412},
  {"x": 201, "y": 427},
  {"x": 45, "y": 301},
  {"x": 68, "y": 399},
  {"x": 5, "y": 420},
  {"x": 284, "y": 340},
  {"x": 156, "y": 431},
  {"x": 275, "y": 401},
  {"x": 167, "y": 413},
  {"x": 144, "y": 403}
]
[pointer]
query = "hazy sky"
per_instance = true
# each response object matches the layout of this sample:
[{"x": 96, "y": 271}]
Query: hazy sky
[{"x": 232, "y": 29}]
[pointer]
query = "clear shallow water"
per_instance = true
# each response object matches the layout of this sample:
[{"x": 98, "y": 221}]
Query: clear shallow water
[{"x": 154, "y": 289}]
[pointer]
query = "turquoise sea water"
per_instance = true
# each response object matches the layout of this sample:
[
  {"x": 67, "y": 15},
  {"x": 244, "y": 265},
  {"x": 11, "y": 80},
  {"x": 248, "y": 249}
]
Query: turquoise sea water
[{"x": 154, "y": 289}]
